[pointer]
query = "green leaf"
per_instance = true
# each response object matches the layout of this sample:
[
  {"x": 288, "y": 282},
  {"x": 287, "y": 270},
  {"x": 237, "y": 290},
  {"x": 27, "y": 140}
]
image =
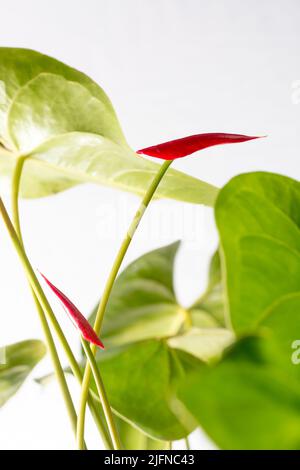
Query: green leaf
[
  {"x": 143, "y": 305},
  {"x": 66, "y": 126},
  {"x": 141, "y": 381},
  {"x": 280, "y": 329},
  {"x": 79, "y": 157},
  {"x": 258, "y": 219},
  {"x": 49, "y": 105},
  {"x": 251, "y": 400},
  {"x": 134, "y": 439},
  {"x": 19, "y": 66},
  {"x": 245, "y": 402},
  {"x": 20, "y": 359},
  {"x": 205, "y": 343},
  {"x": 151, "y": 343}
]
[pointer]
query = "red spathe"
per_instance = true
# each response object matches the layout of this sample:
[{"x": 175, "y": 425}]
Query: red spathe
[
  {"x": 76, "y": 316},
  {"x": 185, "y": 146}
]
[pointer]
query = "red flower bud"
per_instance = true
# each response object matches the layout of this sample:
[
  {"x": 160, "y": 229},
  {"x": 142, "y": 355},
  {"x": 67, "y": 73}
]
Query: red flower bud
[
  {"x": 76, "y": 316},
  {"x": 182, "y": 147}
]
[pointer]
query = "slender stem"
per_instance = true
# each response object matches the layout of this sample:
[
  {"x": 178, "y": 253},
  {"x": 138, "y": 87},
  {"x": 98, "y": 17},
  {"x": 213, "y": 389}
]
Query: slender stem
[
  {"x": 110, "y": 282},
  {"x": 126, "y": 242},
  {"x": 93, "y": 405},
  {"x": 15, "y": 188},
  {"x": 50, "y": 342},
  {"x": 103, "y": 399},
  {"x": 187, "y": 443}
]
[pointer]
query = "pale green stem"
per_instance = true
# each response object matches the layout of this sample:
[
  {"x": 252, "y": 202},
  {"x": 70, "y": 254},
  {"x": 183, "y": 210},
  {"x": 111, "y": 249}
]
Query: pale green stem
[
  {"x": 102, "y": 396},
  {"x": 49, "y": 340},
  {"x": 93, "y": 405},
  {"x": 109, "y": 285},
  {"x": 187, "y": 443}
]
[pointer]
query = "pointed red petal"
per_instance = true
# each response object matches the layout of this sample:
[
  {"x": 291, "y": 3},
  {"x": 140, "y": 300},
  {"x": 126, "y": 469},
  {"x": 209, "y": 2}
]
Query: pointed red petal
[
  {"x": 182, "y": 147},
  {"x": 76, "y": 316}
]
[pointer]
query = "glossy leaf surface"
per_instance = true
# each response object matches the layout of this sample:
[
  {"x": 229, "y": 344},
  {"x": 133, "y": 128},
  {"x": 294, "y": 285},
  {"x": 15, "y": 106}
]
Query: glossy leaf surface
[{"x": 66, "y": 126}]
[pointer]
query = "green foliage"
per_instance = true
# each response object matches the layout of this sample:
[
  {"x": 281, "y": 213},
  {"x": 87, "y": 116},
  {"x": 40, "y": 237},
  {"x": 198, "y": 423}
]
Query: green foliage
[
  {"x": 133, "y": 439},
  {"x": 65, "y": 125},
  {"x": 211, "y": 303},
  {"x": 143, "y": 305},
  {"x": 20, "y": 359},
  {"x": 141, "y": 379},
  {"x": 258, "y": 219},
  {"x": 229, "y": 362},
  {"x": 250, "y": 399},
  {"x": 152, "y": 343},
  {"x": 246, "y": 402}
]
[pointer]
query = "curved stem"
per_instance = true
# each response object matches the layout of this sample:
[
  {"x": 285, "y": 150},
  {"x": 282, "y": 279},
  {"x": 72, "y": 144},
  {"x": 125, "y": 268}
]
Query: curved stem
[
  {"x": 93, "y": 405},
  {"x": 110, "y": 282},
  {"x": 103, "y": 399},
  {"x": 15, "y": 188},
  {"x": 49, "y": 340}
]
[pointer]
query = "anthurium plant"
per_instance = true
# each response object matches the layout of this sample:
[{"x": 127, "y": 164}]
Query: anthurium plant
[{"x": 151, "y": 371}]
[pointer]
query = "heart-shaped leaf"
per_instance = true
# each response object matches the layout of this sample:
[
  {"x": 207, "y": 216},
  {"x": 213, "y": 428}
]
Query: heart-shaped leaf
[
  {"x": 66, "y": 126},
  {"x": 251, "y": 400},
  {"x": 258, "y": 220},
  {"x": 143, "y": 305},
  {"x": 19, "y": 360},
  {"x": 151, "y": 341}
]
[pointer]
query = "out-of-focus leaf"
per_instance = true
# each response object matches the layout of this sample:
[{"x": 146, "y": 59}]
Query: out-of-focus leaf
[
  {"x": 250, "y": 399},
  {"x": 208, "y": 310},
  {"x": 19, "y": 360},
  {"x": 280, "y": 328},
  {"x": 258, "y": 218},
  {"x": 246, "y": 401},
  {"x": 134, "y": 439}
]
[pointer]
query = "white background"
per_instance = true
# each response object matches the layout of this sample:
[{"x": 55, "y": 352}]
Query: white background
[{"x": 172, "y": 68}]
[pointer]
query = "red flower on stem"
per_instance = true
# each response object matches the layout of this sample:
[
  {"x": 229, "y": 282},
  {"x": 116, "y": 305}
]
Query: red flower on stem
[
  {"x": 76, "y": 316},
  {"x": 182, "y": 147}
]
